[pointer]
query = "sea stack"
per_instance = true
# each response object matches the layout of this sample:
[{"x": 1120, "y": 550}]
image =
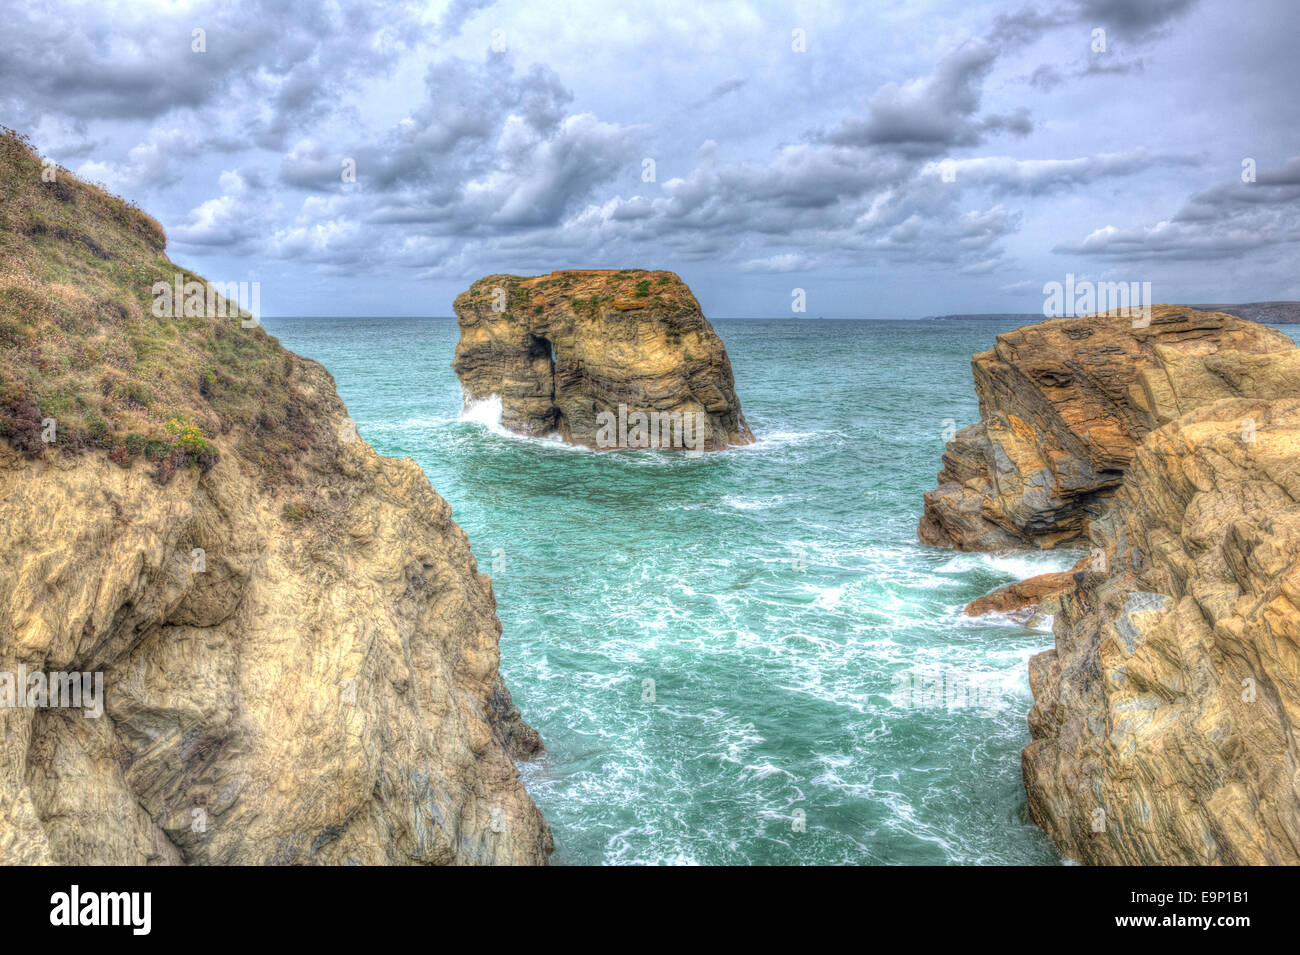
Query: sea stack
[
  {"x": 601, "y": 358},
  {"x": 1063, "y": 406},
  {"x": 253, "y": 640}
]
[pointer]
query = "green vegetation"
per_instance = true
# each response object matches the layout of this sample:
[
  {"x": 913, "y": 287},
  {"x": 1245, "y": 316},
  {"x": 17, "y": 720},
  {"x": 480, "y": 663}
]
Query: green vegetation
[
  {"x": 79, "y": 342},
  {"x": 295, "y": 512},
  {"x": 583, "y": 291}
]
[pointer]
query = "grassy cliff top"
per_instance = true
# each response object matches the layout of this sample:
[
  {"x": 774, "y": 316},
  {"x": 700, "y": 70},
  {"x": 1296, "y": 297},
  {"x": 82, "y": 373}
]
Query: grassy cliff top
[
  {"x": 80, "y": 343},
  {"x": 583, "y": 291}
]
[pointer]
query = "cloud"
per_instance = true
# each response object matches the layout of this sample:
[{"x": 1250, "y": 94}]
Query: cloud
[
  {"x": 1137, "y": 18},
  {"x": 781, "y": 262},
  {"x": 139, "y": 62},
  {"x": 232, "y": 220},
  {"x": 1223, "y": 222},
  {"x": 1041, "y": 176},
  {"x": 932, "y": 114},
  {"x": 458, "y": 13},
  {"x": 470, "y": 161}
]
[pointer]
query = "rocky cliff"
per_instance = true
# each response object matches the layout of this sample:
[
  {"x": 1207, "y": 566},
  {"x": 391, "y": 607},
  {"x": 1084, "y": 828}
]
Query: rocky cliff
[
  {"x": 298, "y": 657},
  {"x": 604, "y": 359},
  {"x": 1165, "y": 716},
  {"x": 1063, "y": 406},
  {"x": 1165, "y": 719}
]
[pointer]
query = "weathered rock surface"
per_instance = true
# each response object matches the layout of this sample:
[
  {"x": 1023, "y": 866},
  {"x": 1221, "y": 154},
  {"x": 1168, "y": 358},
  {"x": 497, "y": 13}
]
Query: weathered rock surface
[
  {"x": 299, "y": 657},
  {"x": 1030, "y": 596},
  {"x": 1063, "y": 405},
  {"x": 1165, "y": 718},
  {"x": 561, "y": 349}
]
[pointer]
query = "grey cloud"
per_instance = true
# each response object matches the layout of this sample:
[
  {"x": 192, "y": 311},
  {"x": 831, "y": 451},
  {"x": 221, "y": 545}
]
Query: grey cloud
[
  {"x": 1223, "y": 222},
  {"x": 1035, "y": 177},
  {"x": 457, "y": 13},
  {"x": 1139, "y": 18},
  {"x": 1097, "y": 66},
  {"x": 1046, "y": 78},
  {"x": 931, "y": 114}
]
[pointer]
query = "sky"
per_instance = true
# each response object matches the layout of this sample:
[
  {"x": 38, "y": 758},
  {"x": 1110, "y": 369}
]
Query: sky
[{"x": 890, "y": 160}]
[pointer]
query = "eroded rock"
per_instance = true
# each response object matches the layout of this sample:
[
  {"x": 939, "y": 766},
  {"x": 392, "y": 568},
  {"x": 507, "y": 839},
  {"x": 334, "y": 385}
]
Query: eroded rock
[
  {"x": 1063, "y": 405},
  {"x": 1031, "y": 596},
  {"x": 1165, "y": 718},
  {"x": 573, "y": 353},
  {"x": 298, "y": 656}
]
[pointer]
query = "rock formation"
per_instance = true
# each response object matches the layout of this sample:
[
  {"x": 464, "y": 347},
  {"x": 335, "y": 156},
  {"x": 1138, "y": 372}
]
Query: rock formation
[
  {"x": 298, "y": 655},
  {"x": 1062, "y": 409},
  {"x": 1029, "y": 597},
  {"x": 1165, "y": 718},
  {"x": 573, "y": 352}
]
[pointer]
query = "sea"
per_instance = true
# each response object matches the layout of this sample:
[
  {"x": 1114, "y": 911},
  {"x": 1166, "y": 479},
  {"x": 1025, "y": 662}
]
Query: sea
[{"x": 741, "y": 657}]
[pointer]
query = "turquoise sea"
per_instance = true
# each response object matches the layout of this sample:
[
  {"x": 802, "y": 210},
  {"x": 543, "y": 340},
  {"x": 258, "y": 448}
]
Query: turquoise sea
[{"x": 746, "y": 656}]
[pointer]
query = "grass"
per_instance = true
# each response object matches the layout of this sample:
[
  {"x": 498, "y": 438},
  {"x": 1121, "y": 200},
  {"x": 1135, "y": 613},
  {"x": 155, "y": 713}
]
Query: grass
[
  {"x": 582, "y": 291},
  {"x": 79, "y": 342}
]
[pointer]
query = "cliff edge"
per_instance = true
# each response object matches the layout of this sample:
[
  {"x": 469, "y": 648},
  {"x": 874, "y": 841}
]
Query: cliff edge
[
  {"x": 1063, "y": 407},
  {"x": 296, "y": 656},
  {"x": 601, "y": 358},
  {"x": 1165, "y": 716}
]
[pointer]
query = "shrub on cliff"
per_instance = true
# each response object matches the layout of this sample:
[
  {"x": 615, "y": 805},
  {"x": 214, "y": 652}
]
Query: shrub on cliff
[{"x": 85, "y": 365}]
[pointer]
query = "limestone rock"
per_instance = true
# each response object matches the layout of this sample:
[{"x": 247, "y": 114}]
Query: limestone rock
[
  {"x": 1165, "y": 718},
  {"x": 1063, "y": 405},
  {"x": 568, "y": 352}
]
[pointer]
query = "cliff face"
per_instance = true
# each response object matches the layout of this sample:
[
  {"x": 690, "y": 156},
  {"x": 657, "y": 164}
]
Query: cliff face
[
  {"x": 583, "y": 354},
  {"x": 1165, "y": 718},
  {"x": 1063, "y": 406},
  {"x": 298, "y": 657}
]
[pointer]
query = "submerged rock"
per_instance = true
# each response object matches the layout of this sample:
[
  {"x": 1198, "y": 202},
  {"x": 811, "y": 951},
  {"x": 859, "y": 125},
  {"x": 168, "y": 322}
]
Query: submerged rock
[
  {"x": 602, "y": 358},
  {"x": 297, "y": 655},
  {"x": 1063, "y": 405}
]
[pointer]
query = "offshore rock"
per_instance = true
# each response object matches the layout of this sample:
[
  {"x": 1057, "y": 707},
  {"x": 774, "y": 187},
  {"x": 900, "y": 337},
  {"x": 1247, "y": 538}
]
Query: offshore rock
[{"x": 585, "y": 354}]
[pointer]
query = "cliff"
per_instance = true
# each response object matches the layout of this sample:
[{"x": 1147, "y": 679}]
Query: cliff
[
  {"x": 1165, "y": 718},
  {"x": 605, "y": 359},
  {"x": 1063, "y": 406},
  {"x": 298, "y": 657}
]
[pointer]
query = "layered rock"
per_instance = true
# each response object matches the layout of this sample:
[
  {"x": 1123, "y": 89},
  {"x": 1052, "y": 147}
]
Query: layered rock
[
  {"x": 1029, "y": 597},
  {"x": 1063, "y": 406},
  {"x": 1165, "y": 718},
  {"x": 570, "y": 352},
  {"x": 299, "y": 658}
]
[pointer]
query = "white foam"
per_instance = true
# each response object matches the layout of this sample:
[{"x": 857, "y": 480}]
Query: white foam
[
  {"x": 1017, "y": 565},
  {"x": 750, "y": 503},
  {"x": 486, "y": 412}
]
